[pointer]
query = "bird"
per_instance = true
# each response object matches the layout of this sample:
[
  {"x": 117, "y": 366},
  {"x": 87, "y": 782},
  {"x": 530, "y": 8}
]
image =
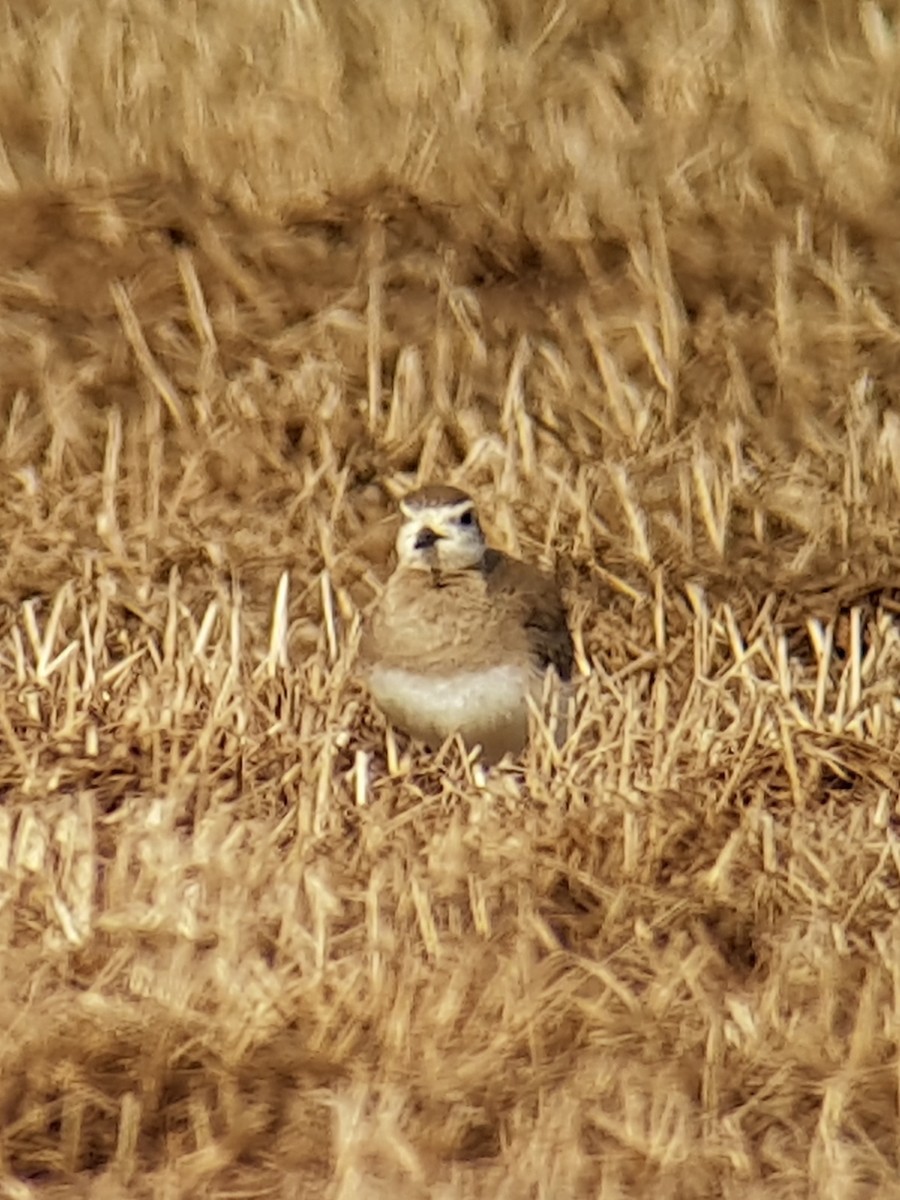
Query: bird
[{"x": 462, "y": 633}]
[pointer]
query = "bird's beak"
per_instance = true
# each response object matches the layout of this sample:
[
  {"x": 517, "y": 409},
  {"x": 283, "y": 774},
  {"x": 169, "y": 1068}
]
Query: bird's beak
[{"x": 427, "y": 538}]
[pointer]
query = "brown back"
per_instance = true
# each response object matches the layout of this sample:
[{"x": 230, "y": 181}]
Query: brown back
[{"x": 543, "y": 613}]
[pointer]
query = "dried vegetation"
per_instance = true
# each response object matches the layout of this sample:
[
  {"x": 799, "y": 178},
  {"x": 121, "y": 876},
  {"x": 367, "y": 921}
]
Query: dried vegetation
[{"x": 629, "y": 272}]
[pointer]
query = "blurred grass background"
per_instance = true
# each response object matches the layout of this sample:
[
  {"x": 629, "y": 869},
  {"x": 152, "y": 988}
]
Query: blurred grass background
[{"x": 626, "y": 271}]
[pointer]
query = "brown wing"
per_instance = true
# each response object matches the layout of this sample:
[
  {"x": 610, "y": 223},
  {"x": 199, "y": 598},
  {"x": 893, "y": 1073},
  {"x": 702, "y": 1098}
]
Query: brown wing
[{"x": 543, "y": 612}]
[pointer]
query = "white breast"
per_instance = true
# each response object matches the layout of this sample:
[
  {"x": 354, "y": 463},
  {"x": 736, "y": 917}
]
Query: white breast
[{"x": 474, "y": 703}]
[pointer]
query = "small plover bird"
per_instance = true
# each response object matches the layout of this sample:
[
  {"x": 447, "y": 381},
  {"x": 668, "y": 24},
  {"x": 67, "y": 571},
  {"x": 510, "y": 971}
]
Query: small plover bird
[{"x": 462, "y": 634}]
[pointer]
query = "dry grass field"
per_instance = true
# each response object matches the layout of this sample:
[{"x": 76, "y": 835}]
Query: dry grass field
[{"x": 629, "y": 272}]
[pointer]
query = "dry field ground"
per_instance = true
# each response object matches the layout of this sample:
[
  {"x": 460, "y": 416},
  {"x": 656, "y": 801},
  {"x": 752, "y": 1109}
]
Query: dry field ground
[{"x": 627, "y": 270}]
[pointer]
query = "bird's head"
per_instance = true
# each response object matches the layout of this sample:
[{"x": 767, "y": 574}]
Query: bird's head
[{"x": 440, "y": 530}]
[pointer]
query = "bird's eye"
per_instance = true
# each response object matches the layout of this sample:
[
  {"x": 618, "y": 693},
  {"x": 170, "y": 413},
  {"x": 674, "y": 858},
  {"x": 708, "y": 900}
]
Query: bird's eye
[{"x": 467, "y": 518}]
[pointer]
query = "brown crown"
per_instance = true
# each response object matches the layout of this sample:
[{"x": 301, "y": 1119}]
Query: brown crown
[{"x": 433, "y": 495}]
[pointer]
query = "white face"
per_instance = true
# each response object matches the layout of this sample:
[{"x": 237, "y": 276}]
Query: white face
[{"x": 443, "y": 536}]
